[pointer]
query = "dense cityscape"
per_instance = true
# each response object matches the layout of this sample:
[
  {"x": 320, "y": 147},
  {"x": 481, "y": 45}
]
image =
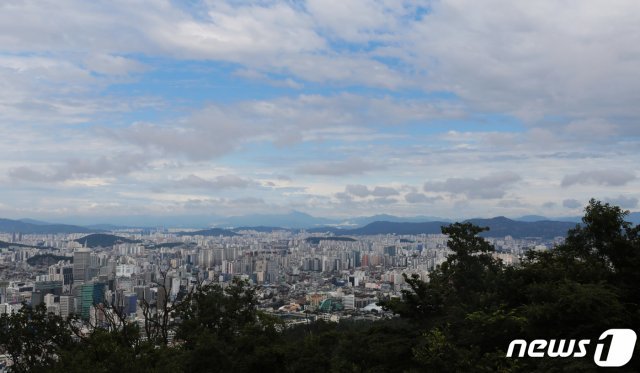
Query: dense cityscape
[{"x": 301, "y": 276}]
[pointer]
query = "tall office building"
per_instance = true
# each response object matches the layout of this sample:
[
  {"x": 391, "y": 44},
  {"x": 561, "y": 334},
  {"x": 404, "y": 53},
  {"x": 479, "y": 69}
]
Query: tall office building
[
  {"x": 81, "y": 264},
  {"x": 130, "y": 303},
  {"x": 91, "y": 294}
]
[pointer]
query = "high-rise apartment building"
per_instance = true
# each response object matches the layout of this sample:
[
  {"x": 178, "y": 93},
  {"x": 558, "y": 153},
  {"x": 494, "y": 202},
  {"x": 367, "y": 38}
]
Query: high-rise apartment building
[{"x": 67, "y": 305}]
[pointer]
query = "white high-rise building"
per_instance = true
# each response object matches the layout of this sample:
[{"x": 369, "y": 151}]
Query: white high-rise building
[
  {"x": 349, "y": 301},
  {"x": 67, "y": 305}
]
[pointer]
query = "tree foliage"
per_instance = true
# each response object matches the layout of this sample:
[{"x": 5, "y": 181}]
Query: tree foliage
[
  {"x": 473, "y": 306},
  {"x": 33, "y": 339}
]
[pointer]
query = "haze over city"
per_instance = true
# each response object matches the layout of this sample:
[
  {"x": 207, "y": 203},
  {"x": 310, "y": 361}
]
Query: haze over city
[{"x": 113, "y": 109}]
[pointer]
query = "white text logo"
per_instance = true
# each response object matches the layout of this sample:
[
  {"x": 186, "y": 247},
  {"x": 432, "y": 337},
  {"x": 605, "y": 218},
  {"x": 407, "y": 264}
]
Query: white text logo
[{"x": 614, "y": 347}]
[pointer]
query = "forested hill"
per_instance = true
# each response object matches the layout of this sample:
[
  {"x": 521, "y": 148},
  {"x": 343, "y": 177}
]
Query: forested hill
[
  {"x": 47, "y": 259},
  {"x": 103, "y": 240},
  {"x": 498, "y": 227},
  {"x": 316, "y": 240},
  {"x": 501, "y": 226},
  {"x": 4, "y": 245}
]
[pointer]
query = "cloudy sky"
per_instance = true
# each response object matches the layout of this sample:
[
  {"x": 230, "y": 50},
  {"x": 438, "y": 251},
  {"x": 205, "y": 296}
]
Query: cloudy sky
[{"x": 339, "y": 108}]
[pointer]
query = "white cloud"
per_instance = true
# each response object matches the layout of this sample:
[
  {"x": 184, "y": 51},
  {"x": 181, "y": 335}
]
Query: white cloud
[
  {"x": 84, "y": 85},
  {"x": 217, "y": 130},
  {"x": 487, "y": 187},
  {"x": 240, "y": 33},
  {"x": 352, "y": 166},
  {"x": 358, "y": 20},
  {"x": 599, "y": 177},
  {"x": 81, "y": 168},
  {"x": 113, "y": 65},
  {"x": 533, "y": 58},
  {"x": 380, "y": 191},
  {"x": 571, "y": 203},
  {"x": 415, "y": 197},
  {"x": 217, "y": 183},
  {"x": 625, "y": 202},
  {"x": 357, "y": 190},
  {"x": 362, "y": 191}
]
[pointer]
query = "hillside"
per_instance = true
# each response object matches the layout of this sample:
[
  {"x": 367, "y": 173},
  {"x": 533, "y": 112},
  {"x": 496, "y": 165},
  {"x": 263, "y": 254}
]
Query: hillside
[
  {"x": 316, "y": 240},
  {"x": 168, "y": 245},
  {"x": 501, "y": 226},
  {"x": 103, "y": 240},
  {"x": 4, "y": 244},
  {"x": 47, "y": 259},
  {"x": 387, "y": 227}
]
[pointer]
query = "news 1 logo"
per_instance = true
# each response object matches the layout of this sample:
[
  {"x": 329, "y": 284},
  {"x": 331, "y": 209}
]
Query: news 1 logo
[{"x": 613, "y": 349}]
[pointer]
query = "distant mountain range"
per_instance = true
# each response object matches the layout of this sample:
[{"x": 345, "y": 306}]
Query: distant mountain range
[
  {"x": 633, "y": 217},
  {"x": 110, "y": 227},
  {"x": 28, "y": 226},
  {"x": 296, "y": 220},
  {"x": 501, "y": 226},
  {"x": 384, "y": 227},
  {"x": 532, "y": 218},
  {"x": 34, "y": 222},
  {"x": 364, "y": 220},
  {"x": 498, "y": 227}
]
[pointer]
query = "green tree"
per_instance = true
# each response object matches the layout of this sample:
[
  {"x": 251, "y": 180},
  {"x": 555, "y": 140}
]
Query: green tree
[
  {"x": 473, "y": 306},
  {"x": 466, "y": 280},
  {"x": 582, "y": 287},
  {"x": 222, "y": 330},
  {"x": 33, "y": 338}
]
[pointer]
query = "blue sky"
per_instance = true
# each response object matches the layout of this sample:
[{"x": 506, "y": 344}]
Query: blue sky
[{"x": 335, "y": 108}]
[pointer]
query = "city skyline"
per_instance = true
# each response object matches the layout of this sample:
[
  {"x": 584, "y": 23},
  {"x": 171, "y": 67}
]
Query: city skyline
[{"x": 334, "y": 109}]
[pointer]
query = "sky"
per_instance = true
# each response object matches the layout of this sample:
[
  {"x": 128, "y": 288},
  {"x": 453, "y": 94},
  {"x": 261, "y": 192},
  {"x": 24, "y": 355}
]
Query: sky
[{"x": 338, "y": 108}]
